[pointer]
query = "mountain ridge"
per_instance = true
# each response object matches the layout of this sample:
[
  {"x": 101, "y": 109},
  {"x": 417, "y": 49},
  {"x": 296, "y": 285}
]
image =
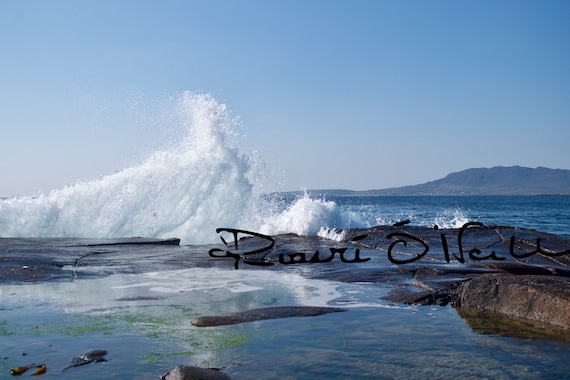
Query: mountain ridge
[{"x": 497, "y": 180}]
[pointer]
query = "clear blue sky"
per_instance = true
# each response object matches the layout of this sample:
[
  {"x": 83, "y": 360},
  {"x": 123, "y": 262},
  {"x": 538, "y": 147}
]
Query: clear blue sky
[{"x": 333, "y": 94}]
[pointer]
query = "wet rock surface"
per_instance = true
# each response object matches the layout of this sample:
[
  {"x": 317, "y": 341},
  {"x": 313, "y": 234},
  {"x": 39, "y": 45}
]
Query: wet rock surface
[
  {"x": 24, "y": 260},
  {"x": 509, "y": 271}
]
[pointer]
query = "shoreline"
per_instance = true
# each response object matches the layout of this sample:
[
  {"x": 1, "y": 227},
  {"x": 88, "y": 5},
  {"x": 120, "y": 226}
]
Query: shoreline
[
  {"x": 472, "y": 251},
  {"x": 150, "y": 280}
]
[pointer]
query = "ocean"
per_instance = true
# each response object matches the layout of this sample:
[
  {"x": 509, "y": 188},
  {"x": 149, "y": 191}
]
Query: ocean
[{"x": 205, "y": 181}]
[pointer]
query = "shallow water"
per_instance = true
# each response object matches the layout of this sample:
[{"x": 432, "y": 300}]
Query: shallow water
[
  {"x": 417, "y": 343},
  {"x": 144, "y": 322}
]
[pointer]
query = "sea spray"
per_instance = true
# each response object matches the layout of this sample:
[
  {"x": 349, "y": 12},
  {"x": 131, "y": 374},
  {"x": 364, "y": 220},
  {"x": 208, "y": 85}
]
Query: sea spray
[
  {"x": 451, "y": 218},
  {"x": 187, "y": 190},
  {"x": 199, "y": 183},
  {"x": 305, "y": 216}
]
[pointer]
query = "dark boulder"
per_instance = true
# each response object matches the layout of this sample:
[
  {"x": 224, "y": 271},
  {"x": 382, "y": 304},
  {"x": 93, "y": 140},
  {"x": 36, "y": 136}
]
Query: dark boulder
[{"x": 543, "y": 299}]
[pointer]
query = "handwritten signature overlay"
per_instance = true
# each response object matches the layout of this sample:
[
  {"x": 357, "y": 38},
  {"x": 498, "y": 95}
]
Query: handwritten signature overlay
[{"x": 398, "y": 239}]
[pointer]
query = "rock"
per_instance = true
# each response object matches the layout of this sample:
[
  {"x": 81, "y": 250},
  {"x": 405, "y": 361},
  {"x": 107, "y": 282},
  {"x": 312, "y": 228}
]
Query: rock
[
  {"x": 93, "y": 356},
  {"x": 439, "y": 297},
  {"x": 543, "y": 299},
  {"x": 264, "y": 313},
  {"x": 184, "y": 372}
]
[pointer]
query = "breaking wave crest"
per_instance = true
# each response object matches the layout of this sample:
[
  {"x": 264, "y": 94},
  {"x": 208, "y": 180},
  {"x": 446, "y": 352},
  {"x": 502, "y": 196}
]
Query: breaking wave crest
[
  {"x": 200, "y": 182},
  {"x": 196, "y": 185}
]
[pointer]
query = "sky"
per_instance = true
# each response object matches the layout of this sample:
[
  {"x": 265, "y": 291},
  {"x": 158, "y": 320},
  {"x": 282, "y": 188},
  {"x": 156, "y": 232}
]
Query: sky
[{"x": 330, "y": 94}]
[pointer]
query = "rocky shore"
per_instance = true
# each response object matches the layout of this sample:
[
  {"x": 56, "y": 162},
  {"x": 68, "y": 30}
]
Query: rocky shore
[
  {"x": 503, "y": 274},
  {"x": 515, "y": 272}
]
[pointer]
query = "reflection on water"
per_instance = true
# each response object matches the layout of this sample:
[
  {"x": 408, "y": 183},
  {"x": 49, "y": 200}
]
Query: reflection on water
[
  {"x": 144, "y": 322},
  {"x": 488, "y": 322},
  {"x": 423, "y": 343}
]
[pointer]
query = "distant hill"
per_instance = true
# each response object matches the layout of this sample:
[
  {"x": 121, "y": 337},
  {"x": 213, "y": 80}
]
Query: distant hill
[{"x": 499, "y": 180}]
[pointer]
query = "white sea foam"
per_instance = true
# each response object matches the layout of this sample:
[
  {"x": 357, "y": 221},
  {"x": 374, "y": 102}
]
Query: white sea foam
[
  {"x": 185, "y": 191},
  {"x": 305, "y": 216},
  {"x": 201, "y": 182},
  {"x": 332, "y": 233},
  {"x": 451, "y": 218}
]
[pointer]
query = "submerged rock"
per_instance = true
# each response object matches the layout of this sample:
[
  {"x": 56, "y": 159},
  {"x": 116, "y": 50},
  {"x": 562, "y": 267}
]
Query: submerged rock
[
  {"x": 184, "y": 372},
  {"x": 93, "y": 356},
  {"x": 264, "y": 313}
]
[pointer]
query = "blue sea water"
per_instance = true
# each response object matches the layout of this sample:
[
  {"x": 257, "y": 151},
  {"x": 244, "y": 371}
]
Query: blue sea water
[
  {"x": 544, "y": 213},
  {"x": 203, "y": 182}
]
